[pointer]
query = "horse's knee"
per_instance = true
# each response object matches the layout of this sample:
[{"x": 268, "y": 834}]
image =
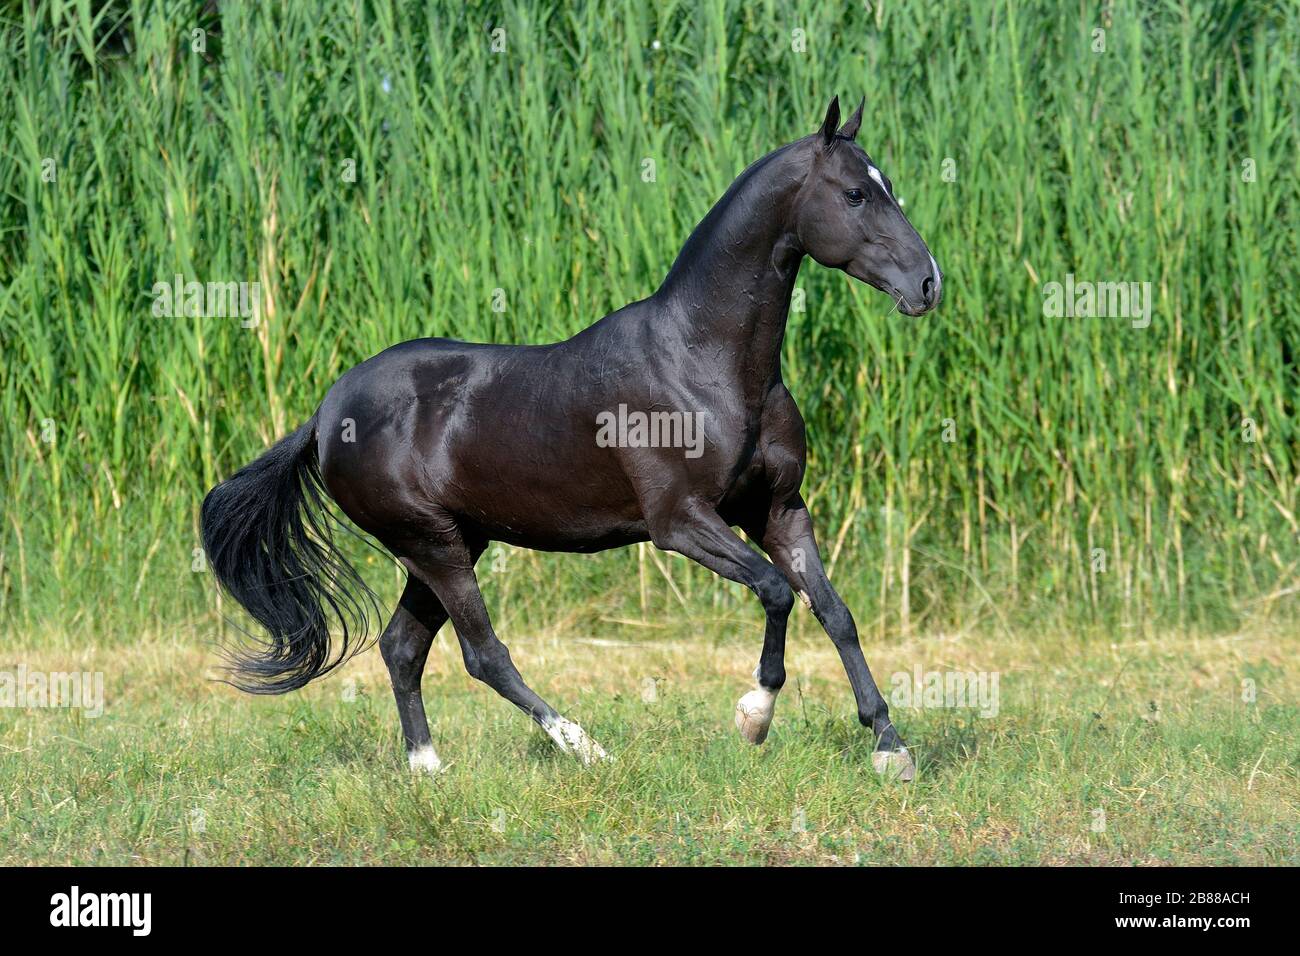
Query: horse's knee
[
  {"x": 491, "y": 668},
  {"x": 473, "y": 663}
]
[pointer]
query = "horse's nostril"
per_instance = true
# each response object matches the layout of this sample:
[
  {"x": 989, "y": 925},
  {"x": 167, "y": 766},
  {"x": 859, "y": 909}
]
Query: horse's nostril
[{"x": 927, "y": 290}]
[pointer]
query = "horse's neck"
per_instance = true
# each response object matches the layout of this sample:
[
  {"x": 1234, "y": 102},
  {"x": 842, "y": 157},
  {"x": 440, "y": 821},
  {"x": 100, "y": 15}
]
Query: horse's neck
[{"x": 729, "y": 290}]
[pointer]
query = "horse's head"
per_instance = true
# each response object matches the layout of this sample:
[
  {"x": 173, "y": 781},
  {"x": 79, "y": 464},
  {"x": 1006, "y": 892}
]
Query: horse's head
[{"x": 847, "y": 218}]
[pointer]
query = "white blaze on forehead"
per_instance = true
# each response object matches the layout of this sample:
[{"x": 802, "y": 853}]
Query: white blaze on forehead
[
  {"x": 934, "y": 267},
  {"x": 875, "y": 174}
]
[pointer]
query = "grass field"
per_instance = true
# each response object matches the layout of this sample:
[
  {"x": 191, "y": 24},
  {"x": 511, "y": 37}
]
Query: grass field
[
  {"x": 1103, "y": 513},
  {"x": 1101, "y": 752}
]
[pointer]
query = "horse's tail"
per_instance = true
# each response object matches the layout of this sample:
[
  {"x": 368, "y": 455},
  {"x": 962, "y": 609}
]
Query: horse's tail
[{"x": 267, "y": 537}]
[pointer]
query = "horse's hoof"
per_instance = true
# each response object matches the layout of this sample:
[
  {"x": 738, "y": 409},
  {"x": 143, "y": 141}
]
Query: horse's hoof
[
  {"x": 590, "y": 752},
  {"x": 894, "y": 764},
  {"x": 425, "y": 760},
  {"x": 572, "y": 739},
  {"x": 754, "y": 715}
]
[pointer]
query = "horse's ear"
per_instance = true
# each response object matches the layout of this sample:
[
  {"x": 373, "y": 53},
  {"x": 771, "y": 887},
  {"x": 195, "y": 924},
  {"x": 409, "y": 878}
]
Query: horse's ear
[
  {"x": 850, "y": 129},
  {"x": 830, "y": 124}
]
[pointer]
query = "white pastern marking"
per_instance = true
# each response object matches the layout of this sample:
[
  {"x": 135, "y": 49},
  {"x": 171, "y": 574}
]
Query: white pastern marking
[
  {"x": 754, "y": 713},
  {"x": 572, "y": 739},
  {"x": 807, "y": 601},
  {"x": 424, "y": 760}
]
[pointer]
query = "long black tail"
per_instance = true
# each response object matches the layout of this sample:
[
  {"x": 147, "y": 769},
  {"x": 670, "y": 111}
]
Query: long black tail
[{"x": 268, "y": 538}]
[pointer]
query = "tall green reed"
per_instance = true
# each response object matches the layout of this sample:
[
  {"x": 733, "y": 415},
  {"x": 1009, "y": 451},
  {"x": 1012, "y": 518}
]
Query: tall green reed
[{"x": 510, "y": 173}]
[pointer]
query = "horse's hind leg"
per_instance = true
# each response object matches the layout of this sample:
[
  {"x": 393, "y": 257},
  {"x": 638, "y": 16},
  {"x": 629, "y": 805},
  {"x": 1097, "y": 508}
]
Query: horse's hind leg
[
  {"x": 452, "y": 579},
  {"x": 405, "y": 647}
]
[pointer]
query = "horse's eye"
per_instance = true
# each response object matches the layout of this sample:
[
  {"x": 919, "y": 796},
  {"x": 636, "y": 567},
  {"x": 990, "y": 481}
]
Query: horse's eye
[{"x": 854, "y": 196}]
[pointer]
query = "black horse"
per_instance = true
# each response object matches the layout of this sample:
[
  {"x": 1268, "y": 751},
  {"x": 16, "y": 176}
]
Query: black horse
[{"x": 437, "y": 448}]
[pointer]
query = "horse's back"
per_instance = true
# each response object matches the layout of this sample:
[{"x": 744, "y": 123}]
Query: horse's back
[{"x": 486, "y": 434}]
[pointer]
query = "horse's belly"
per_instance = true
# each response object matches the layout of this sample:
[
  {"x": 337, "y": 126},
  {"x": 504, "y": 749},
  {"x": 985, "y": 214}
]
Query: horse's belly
[
  {"x": 588, "y": 536},
  {"x": 543, "y": 495}
]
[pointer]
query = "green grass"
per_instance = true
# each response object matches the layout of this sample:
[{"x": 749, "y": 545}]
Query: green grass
[{"x": 1153, "y": 733}]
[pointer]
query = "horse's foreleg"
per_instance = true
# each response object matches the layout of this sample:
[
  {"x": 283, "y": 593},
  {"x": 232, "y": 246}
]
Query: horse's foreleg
[
  {"x": 405, "y": 647},
  {"x": 705, "y": 538},
  {"x": 488, "y": 660},
  {"x": 788, "y": 539}
]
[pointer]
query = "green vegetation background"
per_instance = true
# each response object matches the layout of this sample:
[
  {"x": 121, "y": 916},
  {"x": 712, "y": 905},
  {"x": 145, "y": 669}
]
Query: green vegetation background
[{"x": 1097, "y": 475}]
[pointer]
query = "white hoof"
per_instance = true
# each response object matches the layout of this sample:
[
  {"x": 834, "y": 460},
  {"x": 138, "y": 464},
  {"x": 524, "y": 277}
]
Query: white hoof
[
  {"x": 754, "y": 714},
  {"x": 894, "y": 764},
  {"x": 572, "y": 739},
  {"x": 424, "y": 760}
]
